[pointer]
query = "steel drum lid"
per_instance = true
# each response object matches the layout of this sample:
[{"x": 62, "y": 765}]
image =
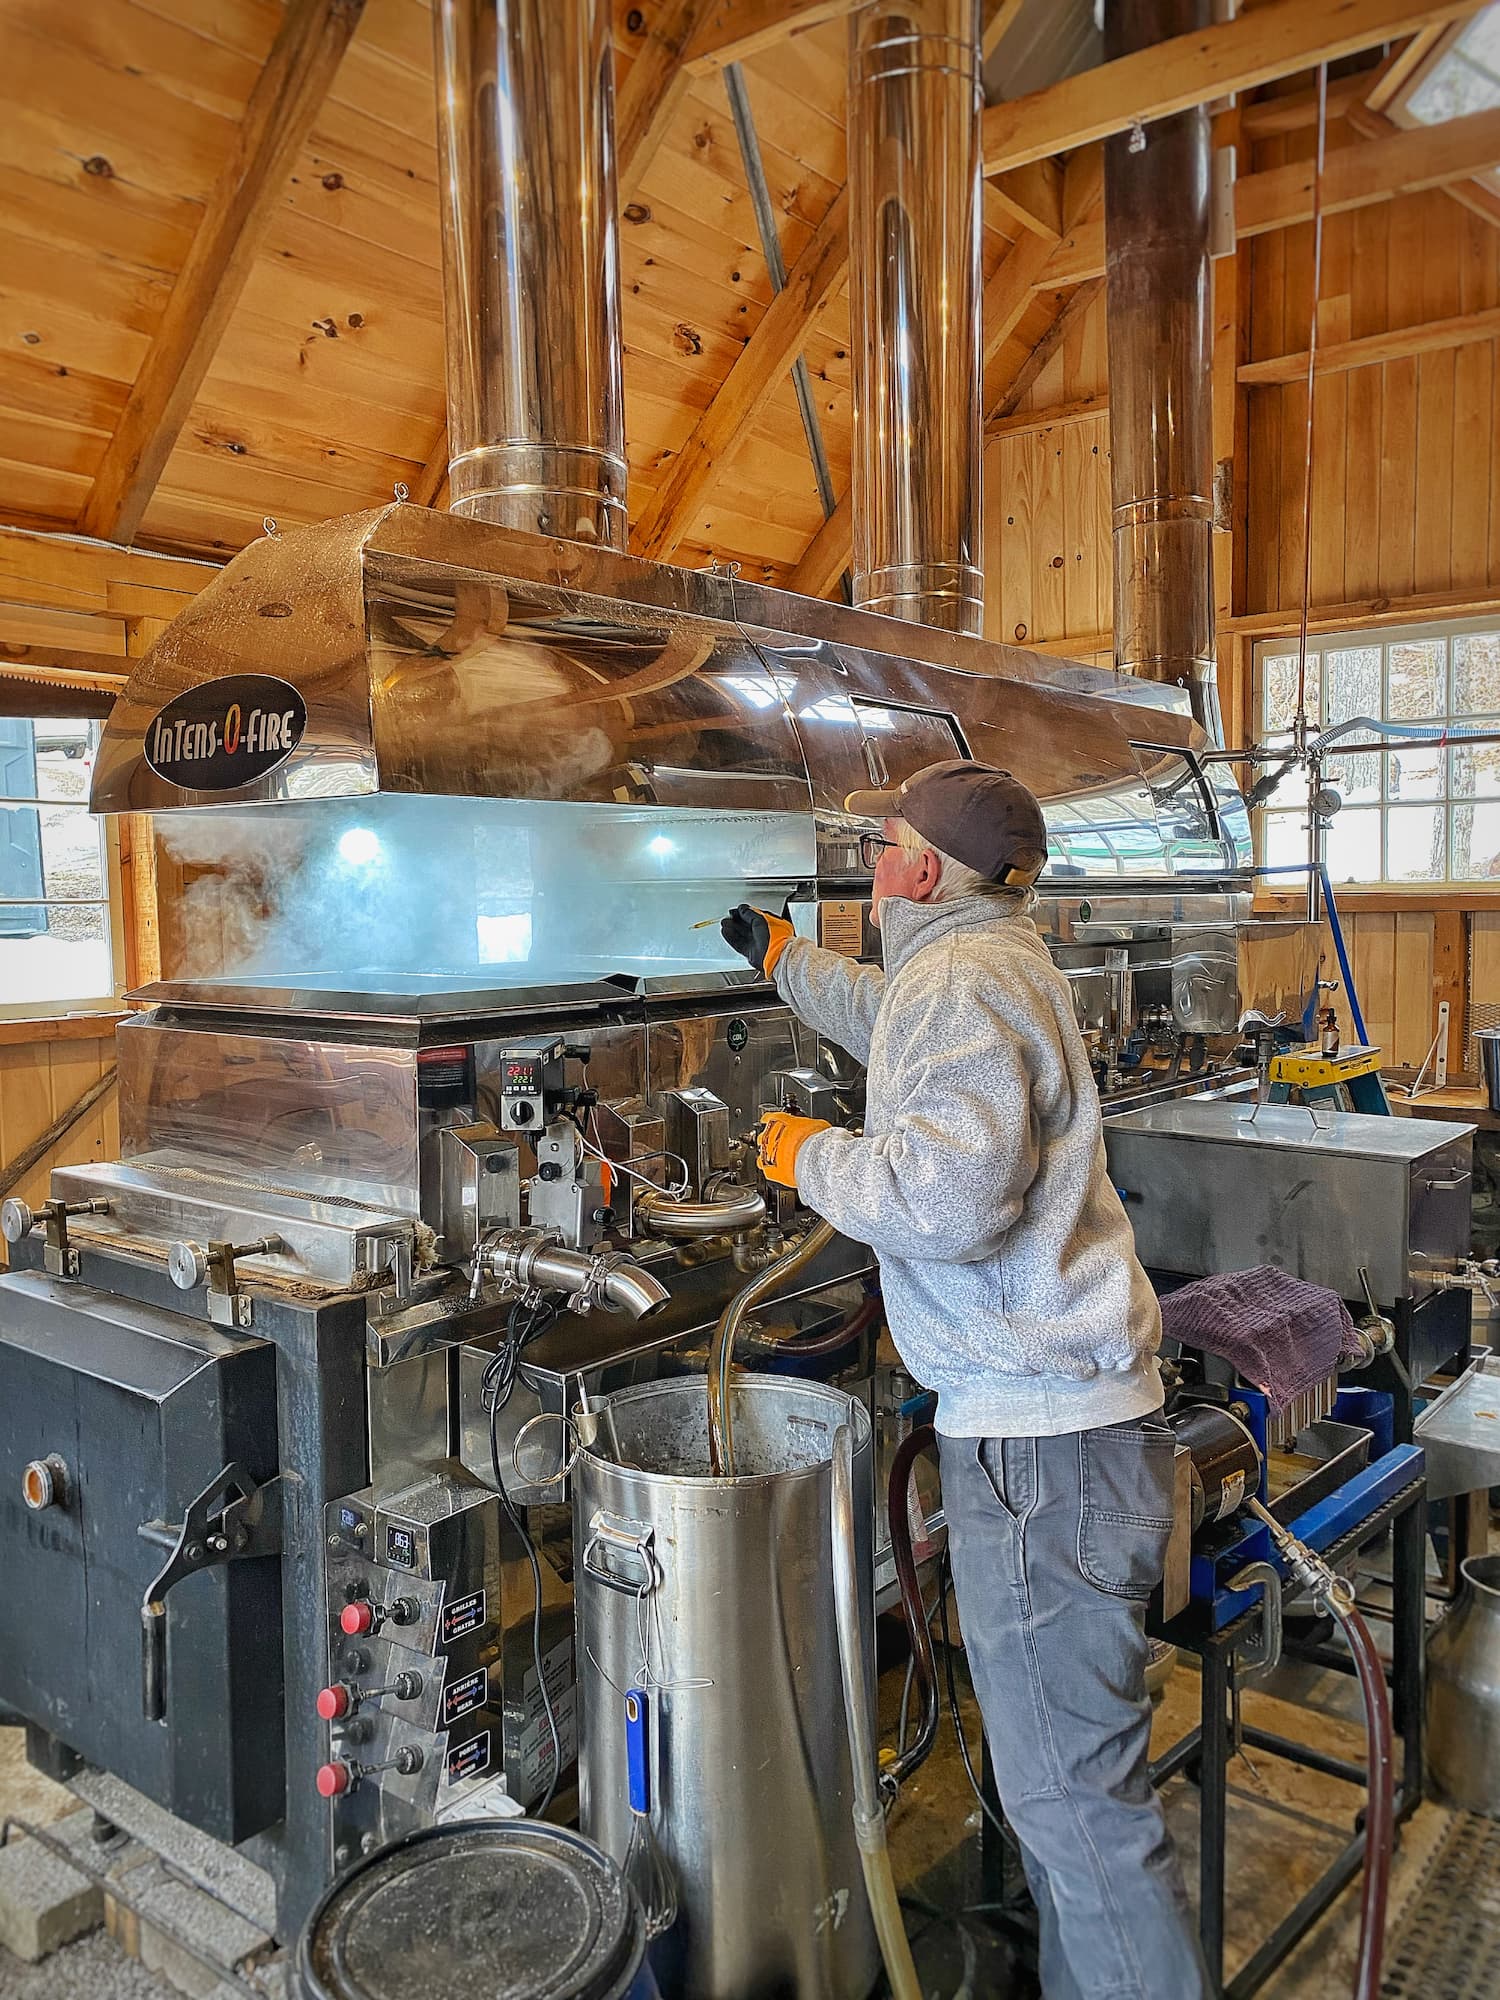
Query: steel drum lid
[{"x": 484, "y": 1910}]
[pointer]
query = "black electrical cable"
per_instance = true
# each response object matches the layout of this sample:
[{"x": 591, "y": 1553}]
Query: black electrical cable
[{"x": 495, "y": 1387}]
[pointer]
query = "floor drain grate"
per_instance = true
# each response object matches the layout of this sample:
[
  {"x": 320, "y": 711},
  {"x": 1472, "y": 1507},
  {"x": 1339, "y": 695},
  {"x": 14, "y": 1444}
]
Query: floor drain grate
[{"x": 1449, "y": 1943}]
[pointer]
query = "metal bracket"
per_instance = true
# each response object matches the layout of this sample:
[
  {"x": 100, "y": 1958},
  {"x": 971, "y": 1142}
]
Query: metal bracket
[
  {"x": 1257, "y": 1660},
  {"x": 59, "y": 1257},
  {"x": 230, "y": 1518}
]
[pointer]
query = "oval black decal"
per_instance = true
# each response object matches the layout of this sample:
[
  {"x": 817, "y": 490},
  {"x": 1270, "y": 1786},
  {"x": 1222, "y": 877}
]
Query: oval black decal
[{"x": 225, "y": 734}]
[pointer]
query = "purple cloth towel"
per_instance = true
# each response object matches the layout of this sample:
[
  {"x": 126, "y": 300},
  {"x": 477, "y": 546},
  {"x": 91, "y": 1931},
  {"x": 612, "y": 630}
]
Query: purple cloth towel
[{"x": 1280, "y": 1334}]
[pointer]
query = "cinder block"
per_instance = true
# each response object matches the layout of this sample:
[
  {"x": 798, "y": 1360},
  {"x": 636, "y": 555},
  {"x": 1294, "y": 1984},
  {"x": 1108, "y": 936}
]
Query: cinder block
[{"x": 44, "y": 1901}]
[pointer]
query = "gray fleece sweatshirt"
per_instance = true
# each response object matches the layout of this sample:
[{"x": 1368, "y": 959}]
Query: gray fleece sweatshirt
[{"x": 1008, "y": 1266}]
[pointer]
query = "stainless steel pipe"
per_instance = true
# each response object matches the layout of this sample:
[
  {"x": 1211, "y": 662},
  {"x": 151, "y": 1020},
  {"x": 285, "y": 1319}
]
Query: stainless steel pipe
[
  {"x": 915, "y": 96},
  {"x": 531, "y": 280},
  {"x": 721, "y": 1350},
  {"x": 736, "y": 1209},
  {"x": 1159, "y": 277}
]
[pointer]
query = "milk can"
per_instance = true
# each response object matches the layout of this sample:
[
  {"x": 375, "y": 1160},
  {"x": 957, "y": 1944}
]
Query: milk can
[
  {"x": 1463, "y": 1694},
  {"x": 715, "y": 1595}
]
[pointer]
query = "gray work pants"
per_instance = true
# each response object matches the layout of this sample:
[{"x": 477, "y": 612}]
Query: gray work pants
[{"x": 1057, "y": 1542}]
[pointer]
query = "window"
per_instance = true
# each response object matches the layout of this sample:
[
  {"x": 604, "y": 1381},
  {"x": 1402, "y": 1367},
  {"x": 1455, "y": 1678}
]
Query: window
[
  {"x": 1411, "y": 811},
  {"x": 58, "y": 949},
  {"x": 1460, "y": 76}
]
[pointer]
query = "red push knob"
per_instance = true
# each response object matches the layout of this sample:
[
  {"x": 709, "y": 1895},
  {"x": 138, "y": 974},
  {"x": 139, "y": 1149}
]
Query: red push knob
[
  {"x": 357, "y": 1618},
  {"x": 334, "y": 1702},
  {"x": 334, "y": 1779}
]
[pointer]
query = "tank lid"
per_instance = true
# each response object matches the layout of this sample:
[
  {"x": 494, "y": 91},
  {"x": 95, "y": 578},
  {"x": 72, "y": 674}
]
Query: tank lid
[{"x": 494, "y": 1907}]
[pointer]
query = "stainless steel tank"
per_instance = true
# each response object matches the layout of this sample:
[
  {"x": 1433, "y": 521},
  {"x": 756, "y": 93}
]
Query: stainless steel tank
[
  {"x": 716, "y": 1595},
  {"x": 1463, "y": 1695}
]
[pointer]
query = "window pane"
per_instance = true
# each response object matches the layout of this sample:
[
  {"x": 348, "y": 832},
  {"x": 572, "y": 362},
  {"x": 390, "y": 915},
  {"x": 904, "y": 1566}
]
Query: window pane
[
  {"x": 1414, "y": 844},
  {"x": 1279, "y": 672},
  {"x": 20, "y": 868},
  {"x": 1286, "y": 839},
  {"x": 1418, "y": 673},
  {"x": 1476, "y": 673},
  {"x": 47, "y": 965},
  {"x": 1414, "y": 774},
  {"x": 1353, "y": 685},
  {"x": 1357, "y": 777},
  {"x": 72, "y": 853},
  {"x": 65, "y": 758},
  {"x": 1354, "y": 846},
  {"x": 1476, "y": 842},
  {"x": 1476, "y": 771},
  {"x": 1454, "y": 89}
]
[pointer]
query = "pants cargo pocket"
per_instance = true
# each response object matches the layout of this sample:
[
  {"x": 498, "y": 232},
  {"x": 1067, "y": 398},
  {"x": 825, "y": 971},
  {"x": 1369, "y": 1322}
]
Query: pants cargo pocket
[{"x": 1125, "y": 1517}]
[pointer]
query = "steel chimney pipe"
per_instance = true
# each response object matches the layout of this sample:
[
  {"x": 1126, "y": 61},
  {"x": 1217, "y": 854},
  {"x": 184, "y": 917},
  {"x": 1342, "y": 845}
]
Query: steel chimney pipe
[
  {"x": 1157, "y": 215},
  {"x": 531, "y": 281},
  {"x": 915, "y": 97}
]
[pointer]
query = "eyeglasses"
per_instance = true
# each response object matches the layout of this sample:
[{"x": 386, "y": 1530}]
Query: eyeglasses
[{"x": 872, "y": 846}]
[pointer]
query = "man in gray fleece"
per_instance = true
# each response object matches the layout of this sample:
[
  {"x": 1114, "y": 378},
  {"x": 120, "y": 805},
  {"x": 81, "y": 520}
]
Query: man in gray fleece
[{"x": 1011, "y": 1288}]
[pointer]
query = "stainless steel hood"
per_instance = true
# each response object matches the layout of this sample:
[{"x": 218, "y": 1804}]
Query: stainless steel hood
[{"x": 405, "y": 651}]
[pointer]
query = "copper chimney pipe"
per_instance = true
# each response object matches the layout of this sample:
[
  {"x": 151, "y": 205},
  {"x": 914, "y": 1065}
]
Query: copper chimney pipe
[
  {"x": 531, "y": 277},
  {"x": 1156, "y": 212},
  {"x": 915, "y": 97}
]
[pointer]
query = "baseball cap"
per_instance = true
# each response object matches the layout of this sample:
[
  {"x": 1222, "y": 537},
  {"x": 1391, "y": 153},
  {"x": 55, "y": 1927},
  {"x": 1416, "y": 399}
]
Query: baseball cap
[{"x": 980, "y": 815}]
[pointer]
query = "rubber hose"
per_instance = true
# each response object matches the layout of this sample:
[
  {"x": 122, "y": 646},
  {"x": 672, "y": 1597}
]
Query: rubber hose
[
  {"x": 1380, "y": 1816},
  {"x": 869, "y": 1819},
  {"x": 805, "y": 1346},
  {"x": 923, "y": 1438}
]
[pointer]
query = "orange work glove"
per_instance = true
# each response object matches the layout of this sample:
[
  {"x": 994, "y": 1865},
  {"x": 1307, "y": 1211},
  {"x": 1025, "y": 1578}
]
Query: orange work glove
[
  {"x": 757, "y": 935},
  {"x": 782, "y": 1136}
]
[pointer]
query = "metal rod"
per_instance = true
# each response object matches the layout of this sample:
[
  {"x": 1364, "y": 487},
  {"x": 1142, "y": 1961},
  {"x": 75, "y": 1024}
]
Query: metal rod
[{"x": 770, "y": 243}]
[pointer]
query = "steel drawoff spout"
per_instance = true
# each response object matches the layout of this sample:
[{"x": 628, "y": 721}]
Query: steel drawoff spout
[
  {"x": 607, "y": 1278},
  {"x": 915, "y": 97},
  {"x": 1157, "y": 180},
  {"x": 726, "y": 1333},
  {"x": 531, "y": 278}
]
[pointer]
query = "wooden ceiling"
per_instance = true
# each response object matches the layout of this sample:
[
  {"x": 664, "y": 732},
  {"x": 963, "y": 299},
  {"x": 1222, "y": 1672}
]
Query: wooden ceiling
[{"x": 219, "y": 258}]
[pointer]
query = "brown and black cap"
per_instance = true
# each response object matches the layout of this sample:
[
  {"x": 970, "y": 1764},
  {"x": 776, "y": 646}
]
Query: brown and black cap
[{"x": 980, "y": 815}]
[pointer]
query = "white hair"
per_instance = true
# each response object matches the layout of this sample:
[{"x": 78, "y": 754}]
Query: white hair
[{"x": 957, "y": 878}]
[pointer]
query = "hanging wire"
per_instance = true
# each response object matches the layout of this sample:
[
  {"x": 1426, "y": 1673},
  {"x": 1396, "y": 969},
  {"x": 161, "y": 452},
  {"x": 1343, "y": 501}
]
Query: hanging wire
[{"x": 1312, "y": 363}]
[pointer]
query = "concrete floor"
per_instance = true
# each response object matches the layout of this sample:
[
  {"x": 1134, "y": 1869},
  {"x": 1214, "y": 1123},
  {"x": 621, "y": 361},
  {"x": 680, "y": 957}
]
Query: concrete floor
[{"x": 1284, "y": 1823}]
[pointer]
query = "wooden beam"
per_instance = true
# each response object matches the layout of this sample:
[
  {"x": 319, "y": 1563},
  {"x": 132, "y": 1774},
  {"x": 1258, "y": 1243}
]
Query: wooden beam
[
  {"x": 430, "y": 481},
  {"x": 1009, "y": 292},
  {"x": 1431, "y": 337},
  {"x": 1403, "y": 161},
  {"x": 66, "y": 666},
  {"x": 758, "y": 371},
  {"x": 1476, "y": 194},
  {"x": 1032, "y": 196},
  {"x": 1000, "y": 17},
  {"x": 826, "y": 556},
  {"x": 1352, "y": 616},
  {"x": 1070, "y": 312},
  {"x": 1277, "y": 39},
  {"x": 1396, "y": 75},
  {"x": 654, "y": 87},
  {"x": 1295, "y": 110},
  {"x": 1083, "y": 185},
  {"x": 1077, "y": 412},
  {"x": 732, "y": 30},
  {"x": 286, "y": 99}
]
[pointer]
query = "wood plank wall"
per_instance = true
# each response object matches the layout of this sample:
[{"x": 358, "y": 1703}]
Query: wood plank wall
[
  {"x": 39, "y": 1080},
  {"x": 1406, "y": 473}
]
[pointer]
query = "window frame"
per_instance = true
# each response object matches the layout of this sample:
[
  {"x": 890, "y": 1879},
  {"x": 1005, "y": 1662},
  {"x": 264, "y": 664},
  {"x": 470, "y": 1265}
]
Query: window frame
[
  {"x": 53, "y": 1007},
  {"x": 1399, "y": 108},
  {"x": 1384, "y": 636}
]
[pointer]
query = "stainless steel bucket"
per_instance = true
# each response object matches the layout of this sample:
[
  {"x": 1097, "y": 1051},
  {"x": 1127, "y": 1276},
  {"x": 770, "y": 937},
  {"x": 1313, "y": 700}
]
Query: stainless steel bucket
[
  {"x": 1488, "y": 1040},
  {"x": 1463, "y": 1694},
  {"x": 716, "y": 1595}
]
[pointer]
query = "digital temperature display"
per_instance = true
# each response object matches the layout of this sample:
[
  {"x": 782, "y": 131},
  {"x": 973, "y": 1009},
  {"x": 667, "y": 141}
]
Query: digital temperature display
[{"x": 523, "y": 1076}]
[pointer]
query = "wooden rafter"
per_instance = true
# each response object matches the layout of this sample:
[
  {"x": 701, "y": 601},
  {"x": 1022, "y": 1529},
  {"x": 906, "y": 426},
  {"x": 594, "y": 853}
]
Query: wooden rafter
[
  {"x": 655, "y": 86},
  {"x": 1396, "y": 75},
  {"x": 1071, "y": 309},
  {"x": 1277, "y": 39},
  {"x": 1079, "y": 411},
  {"x": 286, "y": 99},
  {"x": 1295, "y": 110},
  {"x": 758, "y": 370},
  {"x": 826, "y": 556},
  {"x": 1469, "y": 192},
  {"x": 1032, "y": 196},
  {"x": 1430, "y": 337},
  {"x": 730, "y": 31}
]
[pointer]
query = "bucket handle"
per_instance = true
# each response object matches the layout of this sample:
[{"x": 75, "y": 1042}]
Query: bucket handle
[{"x": 630, "y": 1539}]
